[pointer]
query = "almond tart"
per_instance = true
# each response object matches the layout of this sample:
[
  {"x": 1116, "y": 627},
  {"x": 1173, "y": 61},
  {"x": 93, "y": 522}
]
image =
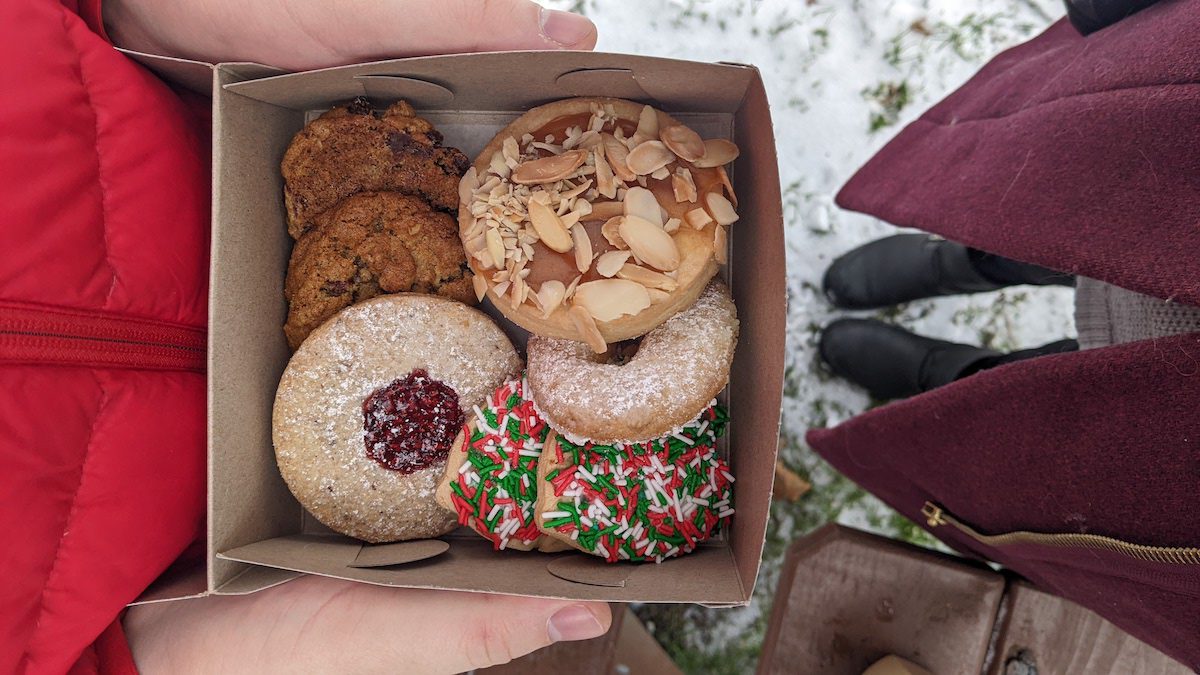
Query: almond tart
[{"x": 596, "y": 219}]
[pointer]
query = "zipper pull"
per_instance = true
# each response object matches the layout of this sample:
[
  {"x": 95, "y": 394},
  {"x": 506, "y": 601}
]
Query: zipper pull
[{"x": 933, "y": 514}]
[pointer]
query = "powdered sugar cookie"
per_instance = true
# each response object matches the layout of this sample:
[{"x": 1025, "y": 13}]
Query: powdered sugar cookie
[
  {"x": 369, "y": 405},
  {"x": 678, "y": 369}
]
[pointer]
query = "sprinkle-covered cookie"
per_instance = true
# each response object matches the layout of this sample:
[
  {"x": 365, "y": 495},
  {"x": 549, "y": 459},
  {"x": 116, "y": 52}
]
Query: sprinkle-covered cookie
[
  {"x": 639, "y": 501},
  {"x": 491, "y": 476}
]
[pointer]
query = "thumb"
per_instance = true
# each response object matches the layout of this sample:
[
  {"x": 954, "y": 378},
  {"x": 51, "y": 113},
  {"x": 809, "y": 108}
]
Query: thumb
[{"x": 488, "y": 630}]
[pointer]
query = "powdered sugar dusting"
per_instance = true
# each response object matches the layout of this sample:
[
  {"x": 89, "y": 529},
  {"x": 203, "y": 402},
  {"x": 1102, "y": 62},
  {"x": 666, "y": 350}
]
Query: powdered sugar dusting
[
  {"x": 318, "y": 423},
  {"x": 678, "y": 369}
]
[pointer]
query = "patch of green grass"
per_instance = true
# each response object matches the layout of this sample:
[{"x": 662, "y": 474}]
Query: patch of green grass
[{"x": 888, "y": 100}]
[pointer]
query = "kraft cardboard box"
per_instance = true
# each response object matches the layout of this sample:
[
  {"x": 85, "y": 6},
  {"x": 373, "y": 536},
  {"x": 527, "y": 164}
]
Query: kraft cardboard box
[{"x": 258, "y": 535}]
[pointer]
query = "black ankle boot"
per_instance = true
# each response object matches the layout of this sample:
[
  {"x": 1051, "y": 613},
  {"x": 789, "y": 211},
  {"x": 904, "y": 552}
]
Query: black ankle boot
[
  {"x": 902, "y": 268},
  {"x": 891, "y": 362}
]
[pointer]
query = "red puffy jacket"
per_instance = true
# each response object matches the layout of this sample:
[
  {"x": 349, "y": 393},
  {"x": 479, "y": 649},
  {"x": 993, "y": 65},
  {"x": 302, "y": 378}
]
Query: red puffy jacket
[{"x": 104, "y": 213}]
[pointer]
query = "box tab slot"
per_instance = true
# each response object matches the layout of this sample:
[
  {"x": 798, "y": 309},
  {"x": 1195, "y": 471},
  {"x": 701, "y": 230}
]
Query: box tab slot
[
  {"x": 590, "y": 570},
  {"x": 420, "y": 93},
  {"x": 399, "y": 553},
  {"x": 612, "y": 82}
]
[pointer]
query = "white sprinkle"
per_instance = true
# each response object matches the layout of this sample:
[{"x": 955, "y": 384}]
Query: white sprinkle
[
  {"x": 684, "y": 439},
  {"x": 728, "y": 512}
]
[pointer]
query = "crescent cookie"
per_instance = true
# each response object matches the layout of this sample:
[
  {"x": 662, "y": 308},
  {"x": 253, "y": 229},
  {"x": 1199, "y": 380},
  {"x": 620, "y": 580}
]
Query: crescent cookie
[{"x": 369, "y": 405}]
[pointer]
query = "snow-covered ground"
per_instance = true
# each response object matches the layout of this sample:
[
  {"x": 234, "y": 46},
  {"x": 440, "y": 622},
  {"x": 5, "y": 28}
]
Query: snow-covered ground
[{"x": 843, "y": 76}]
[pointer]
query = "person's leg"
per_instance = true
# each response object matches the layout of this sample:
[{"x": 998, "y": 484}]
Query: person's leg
[
  {"x": 891, "y": 362},
  {"x": 1009, "y": 272},
  {"x": 907, "y": 267}
]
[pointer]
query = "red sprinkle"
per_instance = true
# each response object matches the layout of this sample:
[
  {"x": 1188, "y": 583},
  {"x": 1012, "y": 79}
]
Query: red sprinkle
[{"x": 410, "y": 424}]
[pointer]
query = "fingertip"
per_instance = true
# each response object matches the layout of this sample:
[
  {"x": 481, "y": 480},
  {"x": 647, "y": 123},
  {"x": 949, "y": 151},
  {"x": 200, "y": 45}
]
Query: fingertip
[
  {"x": 579, "y": 621},
  {"x": 567, "y": 30}
]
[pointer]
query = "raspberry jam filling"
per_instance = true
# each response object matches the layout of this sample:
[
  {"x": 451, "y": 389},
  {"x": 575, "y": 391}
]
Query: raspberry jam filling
[{"x": 410, "y": 424}]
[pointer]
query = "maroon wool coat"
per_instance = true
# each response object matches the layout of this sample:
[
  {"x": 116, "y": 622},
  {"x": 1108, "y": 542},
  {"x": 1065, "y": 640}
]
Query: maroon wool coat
[{"x": 1080, "y": 154}]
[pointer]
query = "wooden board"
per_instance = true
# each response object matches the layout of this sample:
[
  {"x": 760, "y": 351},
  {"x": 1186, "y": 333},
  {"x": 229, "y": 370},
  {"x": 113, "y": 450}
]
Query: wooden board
[
  {"x": 847, "y": 598},
  {"x": 1058, "y": 637}
]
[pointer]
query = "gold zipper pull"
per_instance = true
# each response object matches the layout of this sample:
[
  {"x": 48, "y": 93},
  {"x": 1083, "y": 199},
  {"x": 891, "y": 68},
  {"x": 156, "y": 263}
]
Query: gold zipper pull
[{"x": 933, "y": 514}]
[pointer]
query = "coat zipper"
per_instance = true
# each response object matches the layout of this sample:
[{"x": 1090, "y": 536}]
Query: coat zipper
[
  {"x": 51, "y": 335},
  {"x": 936, "y": 516}
]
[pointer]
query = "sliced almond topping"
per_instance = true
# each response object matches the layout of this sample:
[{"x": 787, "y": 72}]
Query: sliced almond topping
[
  {"x": 568, "y": 220},
  {"x": 586, "y": 325},
  {"x": 609, "y": 263},
  {"x": 606, "y": 210},
  {"x": 724, "y": 176},
  {"x": 480, "y": 285},
  {"x": 549, "y": 169},
  {"x": 583, "y": 248},
  {"x": 576, "y": 191},
  {"x": 466, "y": 187},
  {"x": 583, "y": 207},
  {"x": 617, "y": 155},
  {"x": 499, "y": 165},
  {"x": 683, "y": 142},
  {"x": 571, "y": 286},
  {"x": 720, "y": 208},
  {"x": 642, "y": 203},
  {"x": 611, "y": 230},
  {"x": 515, "y": 293},
  {"x": 474, "y": 230},
  {"x": 647, "y": 278},
  {"x": 650, "y": 243},
  {"x": 550, "y": 295},
  {"x": 590, "y": 139},
  {"x": 683, "y": 185},
  {"x": 488, "y": 185},
  {"x": 717, "y": 152},
  {"x": 698, "y": 218},
  {"x": 495, "y": 248},
  {"x": 501, "y": 288},
  {"x": 671, "y": 225},
  {"x": 510, "y": 149},
  {"x": 647, "y": 128},
  {"x": 657, "y": 296},
  {"x": 549, "y": 227},
  {"x": 720, "y": 254},
  {"x": 649, "y": 157},
  {"x": 609, "y": 299},
  {"x": 606, "y": 183},
  {"x": 662, "y": 174}
]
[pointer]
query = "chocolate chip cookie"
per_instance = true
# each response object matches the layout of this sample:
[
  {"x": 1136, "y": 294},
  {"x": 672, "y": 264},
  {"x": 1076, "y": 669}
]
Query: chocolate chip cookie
[
  {"x": 352, "y": 149},
  {"x": 370, "y": 244}
]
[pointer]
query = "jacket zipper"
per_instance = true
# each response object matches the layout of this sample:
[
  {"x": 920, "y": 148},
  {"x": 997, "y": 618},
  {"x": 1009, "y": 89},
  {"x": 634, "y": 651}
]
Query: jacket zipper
[
  {"x": 936, "y": 516},
  {"x": 50, "y": 335}
]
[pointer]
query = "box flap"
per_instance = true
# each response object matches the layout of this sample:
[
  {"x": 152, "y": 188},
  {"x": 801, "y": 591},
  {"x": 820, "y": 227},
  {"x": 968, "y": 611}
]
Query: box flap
[
  {"x": 476, "y": 77},
  {"x": 707, "y": 573},
  {"x": 253, "y": 579}
]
